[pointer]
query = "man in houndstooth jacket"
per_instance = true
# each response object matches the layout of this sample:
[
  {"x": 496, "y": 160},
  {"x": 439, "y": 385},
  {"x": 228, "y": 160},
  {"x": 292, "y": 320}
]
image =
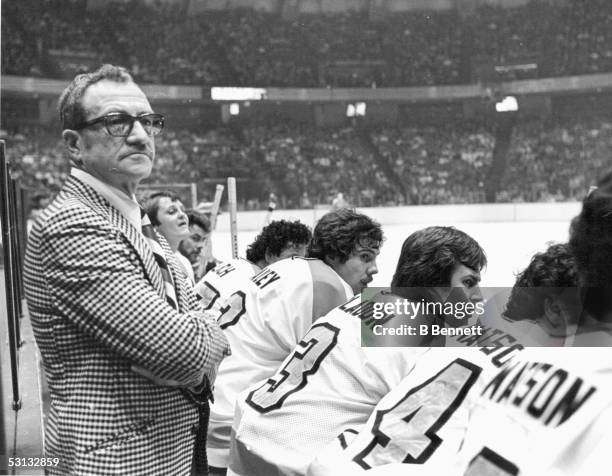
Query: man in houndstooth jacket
[{"x": 125, "y": 365}]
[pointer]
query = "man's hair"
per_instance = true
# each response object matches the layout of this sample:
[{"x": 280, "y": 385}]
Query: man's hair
[
  {"x": 591, "y": 244},
  {"x": 429, "y": 256},
  {"x": 338, "y": 233},
  {"x": 151, "y": 204},
  {"x": 199, "y": 219},
  {"x": 548, "y": 275},
  {"x": 71, "y": 111},
  {"x": 275, "y": 237}
]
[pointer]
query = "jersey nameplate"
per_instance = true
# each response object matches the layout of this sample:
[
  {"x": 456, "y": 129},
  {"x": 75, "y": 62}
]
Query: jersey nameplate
[
  {"x": 265, "y": 277},
  {"x": 548, "y": 393},
  {"x": 224, "y": 269}
]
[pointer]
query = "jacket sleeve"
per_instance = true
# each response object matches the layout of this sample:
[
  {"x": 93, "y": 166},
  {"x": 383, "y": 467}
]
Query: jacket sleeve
[{"x": 98, "y": 284}]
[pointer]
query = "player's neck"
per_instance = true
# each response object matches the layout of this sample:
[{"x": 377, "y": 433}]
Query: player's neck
[{"x": 261, "y": 264}]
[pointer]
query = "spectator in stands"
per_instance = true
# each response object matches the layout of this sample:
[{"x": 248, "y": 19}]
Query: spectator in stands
[
  {"x": 339, "y": 202},
  {"x": 128, "y": 355}
]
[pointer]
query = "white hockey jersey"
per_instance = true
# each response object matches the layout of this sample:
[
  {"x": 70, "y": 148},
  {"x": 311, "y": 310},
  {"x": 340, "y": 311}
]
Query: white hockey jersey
[
  {"x": 418, "y": 427},
  {"x": 224, "y": 280},
  {"x": 329, "y": 382},
  {"x": 263, "y": 323},
  {"x": 548, "y": 413}
]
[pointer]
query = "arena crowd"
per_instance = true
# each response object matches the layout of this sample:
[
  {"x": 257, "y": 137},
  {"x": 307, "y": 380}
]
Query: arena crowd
[
  {"x": 244, "y": 47},
  {"x": 303, "y": 165}
]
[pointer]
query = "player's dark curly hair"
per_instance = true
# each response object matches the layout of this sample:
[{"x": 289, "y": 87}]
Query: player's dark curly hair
[
  {"x": 591, "y": 244},
  {"x": 339, "y": 232},
  {"x": 548, "y": 275},
  {"x": 275, "y": 237},
  {"x": 429, "y": 256},
  {"x": 151, "y": 204}
]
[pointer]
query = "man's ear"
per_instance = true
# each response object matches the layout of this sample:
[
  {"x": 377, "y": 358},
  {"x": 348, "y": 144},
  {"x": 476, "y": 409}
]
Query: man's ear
[
  {"x": 270, "y": 258},
  {"x": 333, "y": 262},
  {"x": 74, "y": 144}
]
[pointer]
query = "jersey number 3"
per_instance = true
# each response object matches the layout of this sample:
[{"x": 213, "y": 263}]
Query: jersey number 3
[
  {"x": 304, "y": 361},
  {"x": 407, "y": 431},
  {"x": 233, "y": 310}
]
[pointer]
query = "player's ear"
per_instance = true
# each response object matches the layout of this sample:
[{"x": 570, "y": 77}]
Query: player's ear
[
  {"x": 333, "y": 261},
  {"x": 270, "y": 258},
  {"x": 553, "y": 314}
]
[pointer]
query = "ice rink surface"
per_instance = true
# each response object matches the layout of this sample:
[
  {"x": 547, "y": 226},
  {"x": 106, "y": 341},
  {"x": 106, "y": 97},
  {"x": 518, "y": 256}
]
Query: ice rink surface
[{"x": 509, "y": 246}]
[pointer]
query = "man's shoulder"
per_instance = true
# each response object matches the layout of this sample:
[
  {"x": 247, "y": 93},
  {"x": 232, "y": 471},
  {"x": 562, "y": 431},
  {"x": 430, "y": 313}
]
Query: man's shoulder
[
  {"x": 232, "y": 270},
  {"x": 300, "y": 267},
  {"x": 71, "y": 208},
  {"x": 298, "y": 272},
  {"x": 288, "y": 271},
  {"x": 293, "y": 262},
  {"x": 66, "y": 209}
]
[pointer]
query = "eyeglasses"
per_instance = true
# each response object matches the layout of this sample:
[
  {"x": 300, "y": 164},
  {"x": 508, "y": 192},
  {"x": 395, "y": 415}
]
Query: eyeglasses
[{"x": 120, "y": 124}]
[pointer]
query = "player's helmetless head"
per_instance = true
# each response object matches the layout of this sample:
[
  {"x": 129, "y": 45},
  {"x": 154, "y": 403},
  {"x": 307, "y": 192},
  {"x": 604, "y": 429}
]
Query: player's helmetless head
[
  {"x": 437, "y": 259},
  {"x": 591, "y": 244},
  {"x": 199, "y": 234},
  {"x": 431, "y": 255},
  {"x": 349, "y": 242},
  {"x": 167, "y": 214},
  {"x": 109, "y": 127},
  {"x": 546, "y": 291},
  {"x": 279, "y": 240}
]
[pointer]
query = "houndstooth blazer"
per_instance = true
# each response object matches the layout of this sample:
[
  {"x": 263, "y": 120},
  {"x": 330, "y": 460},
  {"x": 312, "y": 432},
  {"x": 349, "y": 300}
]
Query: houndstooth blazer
[{"x": 96, "y": 301}]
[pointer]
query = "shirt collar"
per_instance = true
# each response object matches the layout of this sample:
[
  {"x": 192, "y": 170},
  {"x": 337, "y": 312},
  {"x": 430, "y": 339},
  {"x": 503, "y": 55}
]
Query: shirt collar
[{"x": 127, "y": 206}]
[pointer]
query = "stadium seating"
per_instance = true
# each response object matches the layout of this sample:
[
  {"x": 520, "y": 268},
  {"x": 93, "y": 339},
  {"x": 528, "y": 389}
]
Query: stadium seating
[
  {"x": 303, "y": 165},
  {"x": 255, "y": 48}
]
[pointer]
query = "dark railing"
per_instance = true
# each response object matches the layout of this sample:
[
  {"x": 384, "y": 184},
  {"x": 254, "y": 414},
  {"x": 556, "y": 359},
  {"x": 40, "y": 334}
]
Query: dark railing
[
  {"x": 21, "y": 428},
  {"x": 3, "y": 454},
  {"x": 12, "y": 222}
]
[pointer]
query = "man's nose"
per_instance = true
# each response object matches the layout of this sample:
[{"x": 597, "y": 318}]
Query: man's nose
[
  {"x": 374, "y": 268},
  {"x": 138, "y": 133},
  {"x": 477, "y": 295}
]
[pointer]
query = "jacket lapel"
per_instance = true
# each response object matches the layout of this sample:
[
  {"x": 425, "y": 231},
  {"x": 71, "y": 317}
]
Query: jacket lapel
[
  {"x": 178, "y": 276},
  {"x": 99, "y": 205}
]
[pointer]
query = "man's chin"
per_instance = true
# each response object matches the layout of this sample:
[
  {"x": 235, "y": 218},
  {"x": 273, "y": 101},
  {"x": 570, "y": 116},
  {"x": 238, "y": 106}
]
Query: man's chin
[{"x": 140, "y": 171}]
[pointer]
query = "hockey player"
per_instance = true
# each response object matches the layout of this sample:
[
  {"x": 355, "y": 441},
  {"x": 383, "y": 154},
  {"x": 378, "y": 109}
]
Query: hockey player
[
  {"x": 278, "y": 240},
  {"x": 266, "y": 319}
]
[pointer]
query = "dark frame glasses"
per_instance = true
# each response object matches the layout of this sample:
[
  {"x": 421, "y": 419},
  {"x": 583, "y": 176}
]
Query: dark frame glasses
[{"x": 120, "y": 124}]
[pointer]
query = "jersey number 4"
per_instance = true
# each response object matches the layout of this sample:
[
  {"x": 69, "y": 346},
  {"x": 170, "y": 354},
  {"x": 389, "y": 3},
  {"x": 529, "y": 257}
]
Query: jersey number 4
[
  {"x": 304, "y": 361},
  {"x": 407, "y": 431}
]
